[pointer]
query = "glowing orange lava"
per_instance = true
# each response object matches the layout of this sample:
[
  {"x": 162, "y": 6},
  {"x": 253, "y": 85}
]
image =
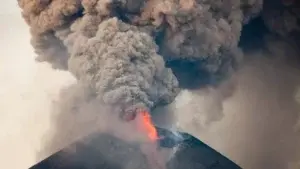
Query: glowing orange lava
[{"x": 148, "y": 126}]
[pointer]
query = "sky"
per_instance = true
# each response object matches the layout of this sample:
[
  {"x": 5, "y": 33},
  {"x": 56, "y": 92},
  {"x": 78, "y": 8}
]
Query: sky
[
  {"x": 25, "y": 93},
  {"x": 27, "y": 89}
]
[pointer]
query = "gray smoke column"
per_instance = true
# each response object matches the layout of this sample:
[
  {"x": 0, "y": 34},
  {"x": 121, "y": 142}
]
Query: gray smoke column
[
  {"x": 116, "y": 60},
  {"x": 194, "y": 30},
  {"x": 121, "y": 64},
  {"x": 119, "y": 48}
]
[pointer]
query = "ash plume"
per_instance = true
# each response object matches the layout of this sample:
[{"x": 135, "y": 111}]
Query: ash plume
[
  {"x": 200, "y": 30},
  {"x": 120, "y": 48},
  {"x": 122, "y": 66},
  {"x": 131, "y": 54}
]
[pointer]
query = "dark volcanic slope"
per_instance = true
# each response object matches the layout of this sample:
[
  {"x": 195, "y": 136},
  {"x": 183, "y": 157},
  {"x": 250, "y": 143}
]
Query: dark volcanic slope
[{"x": 100, "y": 152}]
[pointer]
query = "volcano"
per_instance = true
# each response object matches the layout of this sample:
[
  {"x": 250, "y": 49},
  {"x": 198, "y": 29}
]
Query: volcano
[{"x": 104, "y": 151}]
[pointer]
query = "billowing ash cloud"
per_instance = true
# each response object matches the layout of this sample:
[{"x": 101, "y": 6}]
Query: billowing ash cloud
[
  {"x": 120, "y": 48},
  {"x": 121, "y": 64},
  {"x": 115, "y": 59},
  {"x": 129, "y": 54}
]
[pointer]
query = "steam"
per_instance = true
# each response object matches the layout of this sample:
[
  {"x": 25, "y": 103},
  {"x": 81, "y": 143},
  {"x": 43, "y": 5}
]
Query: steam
[{"x": 132, "y": 54}]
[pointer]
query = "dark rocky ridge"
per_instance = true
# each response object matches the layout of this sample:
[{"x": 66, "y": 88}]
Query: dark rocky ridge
[{"x": 107, "y": 152}]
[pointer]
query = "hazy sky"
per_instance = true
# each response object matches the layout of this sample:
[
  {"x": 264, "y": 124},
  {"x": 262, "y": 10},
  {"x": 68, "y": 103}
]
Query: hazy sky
[{"x": 25, "y": 95}]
